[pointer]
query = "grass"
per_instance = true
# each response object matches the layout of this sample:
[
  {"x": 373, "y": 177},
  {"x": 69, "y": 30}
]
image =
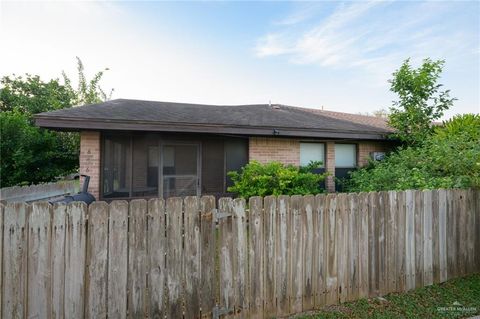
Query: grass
[{"x": 456, "y": 298}]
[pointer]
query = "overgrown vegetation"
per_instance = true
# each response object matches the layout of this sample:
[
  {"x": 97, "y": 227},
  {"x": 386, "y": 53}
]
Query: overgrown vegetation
[
  {"x": 28, "y": 154},
  {"x": 274, "y": 178},
  {"x": 450, "y": 158},
  {"x": 456, "y": 298},
  {"x": 432, "y": 155}
]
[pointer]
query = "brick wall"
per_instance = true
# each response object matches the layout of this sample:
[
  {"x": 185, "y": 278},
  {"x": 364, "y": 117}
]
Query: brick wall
[
  {"x": 90, "y": 159},
  {"x": 268, "y": 149},
  {"x": 287, "y": 151},
  {"x": 365, "y": 148},
  {"x": 330, "y": 166}
]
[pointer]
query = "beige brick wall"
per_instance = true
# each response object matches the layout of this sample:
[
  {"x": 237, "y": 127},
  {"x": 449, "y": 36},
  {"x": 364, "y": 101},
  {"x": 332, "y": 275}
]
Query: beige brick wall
[
  {"x": 287, "y": 151},
  {"x": 366, "y": 147},
  {"x": 90, "y": 159},
  {"x": 268, "y": 149},
  {"x": 330, "y": 166}
]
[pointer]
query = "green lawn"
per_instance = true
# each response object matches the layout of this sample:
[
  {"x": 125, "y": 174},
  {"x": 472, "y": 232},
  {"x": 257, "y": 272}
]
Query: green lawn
[{"x": 456, "y": 298}]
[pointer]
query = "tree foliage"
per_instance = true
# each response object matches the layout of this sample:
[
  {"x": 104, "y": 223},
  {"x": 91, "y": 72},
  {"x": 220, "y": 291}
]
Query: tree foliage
[
  {"x": 274, "y": 178},
  {"x": 29, "y": 154},
  {"x": 449, "y": 158},
  {"x": 420, "y": 101}
]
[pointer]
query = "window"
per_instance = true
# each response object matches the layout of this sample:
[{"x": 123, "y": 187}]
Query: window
[
  {"x": 236, "y": 156},
  {"x": 345, "y": 162},
  {"x": 345, "y": 155},
  {"x": 312, "y": 152}
]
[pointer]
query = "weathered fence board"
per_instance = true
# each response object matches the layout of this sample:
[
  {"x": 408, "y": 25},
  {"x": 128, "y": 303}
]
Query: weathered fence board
[
  {"x": 38, "y": 291},
  {"x": 156, "y": 248},
  {"x": 174, "y": 256},
  {"x": 297, "y": 258},
  {"x": 38, "y": 192},
  {"x": 342, "y": 243},
  {"x": 363, "y": 245},
  {"x": 410, "y": 239},
  {"x": 192, "y": 257},
  {"x": 331, "y": 251},
  {"x": 418, "y": 216},
  {"x": 400, "y": 243},
  {"x": 442, "y": 234},
  {"x": 353, "y": 230},
  {"x": 427, "y": 239},
  {"x": 58, "y": 260},
  {"x": 373, "y": 207},
  {"x": 255, "y": 258},
  {"x": 240, "y": 257},
  {"x": 283, "y": 273},
  {"x": 390, "y": 231},
  {"x": 275, "y": 257},
  {"x": 227, "y": 262},
  {"x": 308, "y": 253},
  {"x": 75, "y": 250},
  {"x": 319, "y": 274},
  {"x": 118, "y": 260},
  {"x": 270, "y": 237},
  {"x": 137, "y": 259},
  {"x": 208, "y": 286},
  {"x": 97, "y": 260}
]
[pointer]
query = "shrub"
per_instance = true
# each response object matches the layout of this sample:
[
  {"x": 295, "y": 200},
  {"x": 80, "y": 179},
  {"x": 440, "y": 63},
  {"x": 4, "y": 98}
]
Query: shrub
[
  {"x": 450, "y": 158},
  {"x": 274, "y": 178}
]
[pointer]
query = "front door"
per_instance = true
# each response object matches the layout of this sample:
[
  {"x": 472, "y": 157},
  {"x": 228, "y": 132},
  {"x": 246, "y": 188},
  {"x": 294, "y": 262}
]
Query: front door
[{"x": 180, "y": 164}]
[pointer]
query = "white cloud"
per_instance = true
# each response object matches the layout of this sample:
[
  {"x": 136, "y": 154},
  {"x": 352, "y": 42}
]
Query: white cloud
[{"x": 371, "y": 35}]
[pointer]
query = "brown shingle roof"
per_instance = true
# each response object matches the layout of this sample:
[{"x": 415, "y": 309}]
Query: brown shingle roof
[{"x": 258, "y": 119}]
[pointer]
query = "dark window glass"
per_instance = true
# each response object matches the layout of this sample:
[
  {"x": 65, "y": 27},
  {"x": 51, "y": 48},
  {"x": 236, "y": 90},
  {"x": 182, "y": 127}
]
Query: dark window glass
[
  {"x": 236, "y": 156},
  {"x": 116, "y": 167}
]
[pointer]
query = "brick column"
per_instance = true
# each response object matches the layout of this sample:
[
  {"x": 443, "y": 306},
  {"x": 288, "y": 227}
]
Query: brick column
[
  {"x": 330, "y": 166},
  {"x": 90, "y": 160}
]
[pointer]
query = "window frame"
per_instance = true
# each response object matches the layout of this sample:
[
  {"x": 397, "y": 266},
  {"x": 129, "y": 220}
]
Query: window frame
[
  {"x": 324, "y": 144},
  {"x": 356, "y": 154}
]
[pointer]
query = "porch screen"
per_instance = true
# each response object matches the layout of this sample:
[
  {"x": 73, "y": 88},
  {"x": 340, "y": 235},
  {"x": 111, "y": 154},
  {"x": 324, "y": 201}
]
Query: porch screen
[
  {"x": 180, "y": 170},
  {"x": 116, "y": 167}
]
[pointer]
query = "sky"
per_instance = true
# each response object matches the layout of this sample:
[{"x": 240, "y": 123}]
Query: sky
[{"x": 335, "y": 55}]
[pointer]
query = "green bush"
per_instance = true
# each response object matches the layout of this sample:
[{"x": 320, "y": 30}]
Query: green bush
[
  {"x": 33, "y": 155},
  {"x": 274, "y": 178},
  {"x": 450, "y": 158}
]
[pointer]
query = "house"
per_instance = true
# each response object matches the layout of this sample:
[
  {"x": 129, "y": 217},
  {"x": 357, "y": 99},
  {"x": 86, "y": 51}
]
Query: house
[{"x": 134, "y": 148}]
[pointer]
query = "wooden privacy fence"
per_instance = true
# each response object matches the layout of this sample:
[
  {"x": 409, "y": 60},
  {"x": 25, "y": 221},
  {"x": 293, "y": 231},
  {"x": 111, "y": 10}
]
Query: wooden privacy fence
[
  {"x": 38, "y": 192},
  {"x": 183, "y": 257}
]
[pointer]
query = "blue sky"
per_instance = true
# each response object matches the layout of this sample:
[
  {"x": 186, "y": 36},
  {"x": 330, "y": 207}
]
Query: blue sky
[{"x": 336, "y": 55}]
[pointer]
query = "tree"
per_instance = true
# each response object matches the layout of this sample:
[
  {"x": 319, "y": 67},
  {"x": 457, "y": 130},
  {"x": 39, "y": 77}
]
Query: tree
[
  {"x": 29, "y": 154},
  {"x": 421, "y": 101},
  {"x": 87, "y": 92}
]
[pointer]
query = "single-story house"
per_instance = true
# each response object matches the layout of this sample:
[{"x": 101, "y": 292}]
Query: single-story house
[{"x": 138, "y": 149}]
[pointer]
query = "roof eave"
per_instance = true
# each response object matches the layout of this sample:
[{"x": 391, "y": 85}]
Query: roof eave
[{"x": 64, "y": 124}]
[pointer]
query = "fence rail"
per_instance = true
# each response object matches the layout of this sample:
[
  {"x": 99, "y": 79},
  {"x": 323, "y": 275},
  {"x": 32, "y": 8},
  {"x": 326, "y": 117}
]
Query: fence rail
[
  {"x": 38, "y": 192},
  {"x": 183, "y": 257}
]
